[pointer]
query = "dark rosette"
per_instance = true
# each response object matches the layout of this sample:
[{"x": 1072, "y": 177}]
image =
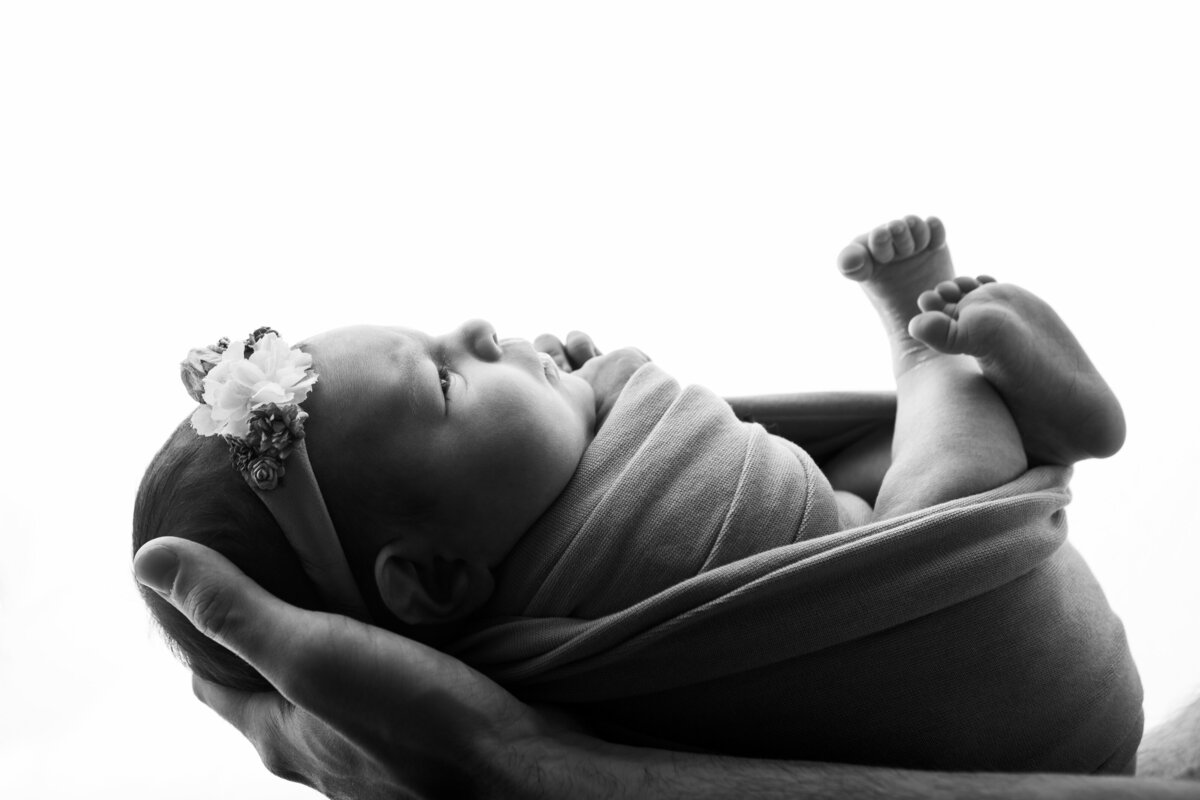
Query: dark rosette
[
  {"x": 273, "y": 434},
  {"x": 240, "y": 454},
  {"x": 263, "y": 473},
  {"x": 275, "y": 430}
]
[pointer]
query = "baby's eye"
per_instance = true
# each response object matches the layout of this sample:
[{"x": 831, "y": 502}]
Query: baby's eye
[{"x": 444, "y": 378}]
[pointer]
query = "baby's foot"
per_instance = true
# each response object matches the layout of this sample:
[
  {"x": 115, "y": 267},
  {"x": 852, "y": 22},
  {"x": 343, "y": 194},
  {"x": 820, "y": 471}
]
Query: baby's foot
[
  {"x": 895, "y": 263},
  {"x": 1063, "y": 408}
]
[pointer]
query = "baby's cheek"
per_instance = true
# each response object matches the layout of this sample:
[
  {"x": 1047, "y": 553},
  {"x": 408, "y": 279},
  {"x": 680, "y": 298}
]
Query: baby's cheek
[{"x": 582, "y": 402}]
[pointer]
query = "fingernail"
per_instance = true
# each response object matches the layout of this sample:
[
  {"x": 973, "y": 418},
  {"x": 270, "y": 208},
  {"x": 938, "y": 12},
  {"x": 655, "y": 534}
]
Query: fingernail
[{"x": 155, "y": 566}]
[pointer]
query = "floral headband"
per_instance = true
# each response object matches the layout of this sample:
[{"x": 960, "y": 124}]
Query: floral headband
[{"x": 250, "y": 395}]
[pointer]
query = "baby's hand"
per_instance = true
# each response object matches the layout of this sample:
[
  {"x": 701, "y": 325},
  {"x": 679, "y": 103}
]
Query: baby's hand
[
  {"x": 570, "y": 356},
  {"x": 607, "y": 373}
]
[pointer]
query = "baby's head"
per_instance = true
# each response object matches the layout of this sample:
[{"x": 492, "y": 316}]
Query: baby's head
[{"x": 434, "y": 455}]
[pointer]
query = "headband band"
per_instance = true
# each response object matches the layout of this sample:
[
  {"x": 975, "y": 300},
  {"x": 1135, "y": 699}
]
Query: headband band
[{"x": 250, "y": 395}]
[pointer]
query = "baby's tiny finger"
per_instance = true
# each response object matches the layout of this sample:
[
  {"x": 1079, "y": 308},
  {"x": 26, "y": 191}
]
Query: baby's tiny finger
[
  {"x": 550, "y": 344},
  {"x": 580, "y": 348}
]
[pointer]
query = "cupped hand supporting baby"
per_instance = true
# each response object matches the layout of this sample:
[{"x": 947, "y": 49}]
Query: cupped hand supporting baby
[{"x": 342, "y": 688}]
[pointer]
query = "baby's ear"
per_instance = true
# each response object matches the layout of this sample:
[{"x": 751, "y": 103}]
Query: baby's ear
[{"x": 421, "y": 588}]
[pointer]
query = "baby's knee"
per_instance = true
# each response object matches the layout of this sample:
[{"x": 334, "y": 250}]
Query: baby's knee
[{"x": 853, "y": 511}]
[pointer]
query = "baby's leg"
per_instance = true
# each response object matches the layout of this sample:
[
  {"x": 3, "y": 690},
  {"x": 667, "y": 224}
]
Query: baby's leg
[
  {"x": 1063, "y": 408},
  {"x": 954, "y": 435}
]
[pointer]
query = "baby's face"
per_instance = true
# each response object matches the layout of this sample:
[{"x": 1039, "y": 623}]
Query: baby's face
[{"x": 479, "y": 433}]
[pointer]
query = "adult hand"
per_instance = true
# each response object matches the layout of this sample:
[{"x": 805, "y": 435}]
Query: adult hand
[
  {"x": 364, "y": 713},
  {"x": 360, "y": 712}
]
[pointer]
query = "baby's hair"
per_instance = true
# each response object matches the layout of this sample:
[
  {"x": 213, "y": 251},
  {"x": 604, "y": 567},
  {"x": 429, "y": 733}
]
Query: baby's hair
[{"x": 191, "y": 491}]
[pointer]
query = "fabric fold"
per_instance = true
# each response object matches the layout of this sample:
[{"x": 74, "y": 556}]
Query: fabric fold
[{"x": 692, "y": 584}]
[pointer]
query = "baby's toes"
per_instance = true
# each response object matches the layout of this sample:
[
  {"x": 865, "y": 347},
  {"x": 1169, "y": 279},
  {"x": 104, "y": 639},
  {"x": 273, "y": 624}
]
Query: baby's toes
[
  {"x": 966, "y": 283},
  {"x": 950, "y": 291},
  {"x": 879, "y": 242},
  {"x": 919, "y": 230},
  {"x": 855, "y": 261},
  {"x": 902, "y": 239},
  {"x": 935, "y": 329},
  {"x": 937, "y": 233},
  {"x": 932, "y": 300}
]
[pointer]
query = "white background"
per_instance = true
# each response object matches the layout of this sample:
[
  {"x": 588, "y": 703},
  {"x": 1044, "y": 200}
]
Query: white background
[{"x": 673, "y": 176}]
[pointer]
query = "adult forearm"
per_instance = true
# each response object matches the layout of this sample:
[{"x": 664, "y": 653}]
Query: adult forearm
[{"x": 587, "y": 769}]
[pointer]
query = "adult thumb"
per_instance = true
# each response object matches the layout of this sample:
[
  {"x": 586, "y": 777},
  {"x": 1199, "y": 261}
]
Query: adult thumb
[
  {"x": 155, "y": 565},
  {"x": 213, "y": 594}
]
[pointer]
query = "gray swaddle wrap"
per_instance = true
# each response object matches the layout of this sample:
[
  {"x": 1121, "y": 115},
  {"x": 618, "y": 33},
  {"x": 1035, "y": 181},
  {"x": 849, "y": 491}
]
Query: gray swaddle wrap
[{"x": 692, "y": 583}]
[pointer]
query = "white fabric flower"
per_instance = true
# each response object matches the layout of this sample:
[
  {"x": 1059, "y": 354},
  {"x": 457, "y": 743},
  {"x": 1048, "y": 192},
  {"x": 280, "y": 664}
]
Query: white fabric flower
[{"x": 274, "y": 373}]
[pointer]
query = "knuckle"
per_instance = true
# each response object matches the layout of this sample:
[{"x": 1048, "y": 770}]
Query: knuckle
[
  {"x": 269, "y": 741},
  {"x": 274, "y": 761},
  {"x": 210, "y": 609}
]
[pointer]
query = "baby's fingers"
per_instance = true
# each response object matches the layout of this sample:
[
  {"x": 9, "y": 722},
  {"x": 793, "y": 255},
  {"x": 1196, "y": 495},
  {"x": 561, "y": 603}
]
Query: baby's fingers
[
  {"x": 580, "y": 348},
  {"x": 550, "y": 344}
]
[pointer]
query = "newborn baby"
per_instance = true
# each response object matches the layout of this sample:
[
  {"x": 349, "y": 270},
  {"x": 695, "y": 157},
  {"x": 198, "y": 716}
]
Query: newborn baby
[{"x": 538, "y": 523}]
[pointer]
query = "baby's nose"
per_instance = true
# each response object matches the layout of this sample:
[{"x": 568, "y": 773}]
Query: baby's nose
[{"x": 479, "y": 337}]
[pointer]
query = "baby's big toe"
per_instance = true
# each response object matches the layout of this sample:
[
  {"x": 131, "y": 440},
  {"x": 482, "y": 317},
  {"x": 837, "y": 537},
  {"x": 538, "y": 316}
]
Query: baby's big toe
[{"x": 855, "y": 261}]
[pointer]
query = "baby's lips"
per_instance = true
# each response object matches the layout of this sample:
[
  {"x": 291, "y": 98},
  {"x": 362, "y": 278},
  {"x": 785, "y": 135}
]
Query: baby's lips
[{"x": 549, "y": 365}]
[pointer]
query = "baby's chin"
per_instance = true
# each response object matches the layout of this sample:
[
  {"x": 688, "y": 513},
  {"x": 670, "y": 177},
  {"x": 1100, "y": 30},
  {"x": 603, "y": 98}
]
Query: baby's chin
[{"x": 582, "y": 397}]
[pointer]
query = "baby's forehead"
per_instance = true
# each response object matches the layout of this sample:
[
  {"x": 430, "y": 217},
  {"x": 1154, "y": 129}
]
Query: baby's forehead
[
  {"x": 364, "y": 348},
  {"x": 360, "y": 338},
  {"x": 365, "y": 363}
]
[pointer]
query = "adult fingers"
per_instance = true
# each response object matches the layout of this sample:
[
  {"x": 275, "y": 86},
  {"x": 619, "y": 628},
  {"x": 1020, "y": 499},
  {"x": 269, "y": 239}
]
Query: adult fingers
[
  {"x": 580, "y": 348},
  {"x": 263, "y": 718},
  {"x": 355, "y": 677},
  {"x": 256, "y": 714},
  {"x": 311, "y": 658},
  {"x": 550, "y": 344}
]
